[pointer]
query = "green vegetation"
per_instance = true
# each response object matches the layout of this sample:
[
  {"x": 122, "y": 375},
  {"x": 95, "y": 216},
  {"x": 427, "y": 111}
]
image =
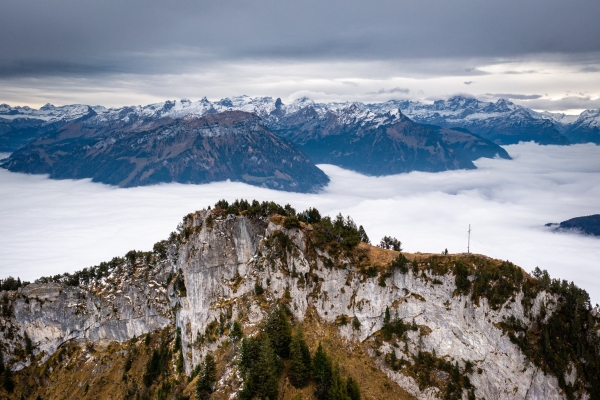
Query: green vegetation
[
  {"x": 363, "y": 235},
  {"x": 400, "y": 263},
  {"x": 391, "y": 243},
  {"x": 158, "y": 364},
  {"x": 340, "y": 233},
  {"x": 568, "y": 337},
  {"x": 11, "y": 283},
  {"x": 263, "y": 358},
  {"x": 561, "y": 334},
  {"x": 300, "y": 361},
  {"x": 179, "y": 284},
  {"x": 395, "y": 326},
  {"x": 207, "y": 378},
  {"x": 6, "y": 376},
  {"x": 254, "y": 209},
  {"x": 330, "y": 385},
  {"x": 291, "y": 222},
  {"x": 424, "y": 365},
  {"x": 279, "y": 331},
  {"x": 497, "y": 282}
]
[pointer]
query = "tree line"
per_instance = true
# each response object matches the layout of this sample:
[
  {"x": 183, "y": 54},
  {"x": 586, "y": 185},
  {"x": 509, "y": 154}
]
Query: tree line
[{"x": 263, "y": 358}]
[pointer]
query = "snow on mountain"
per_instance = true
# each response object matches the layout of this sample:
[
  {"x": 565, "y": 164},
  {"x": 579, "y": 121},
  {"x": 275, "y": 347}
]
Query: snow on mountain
[
  {"x": 48, "y": 113},
  {"x": 481, "y": 117},
  {"x": 590, "y": 118},
  {"x": 557, "y": 118},
  {"x": 586, "y": 128}
]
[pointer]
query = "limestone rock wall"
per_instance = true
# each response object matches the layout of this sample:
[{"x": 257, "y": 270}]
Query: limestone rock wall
[{"x": 222, "y": 258}]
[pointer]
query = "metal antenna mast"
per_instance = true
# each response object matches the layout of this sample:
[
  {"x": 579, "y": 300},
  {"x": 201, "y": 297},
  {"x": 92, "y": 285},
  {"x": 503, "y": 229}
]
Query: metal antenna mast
[{"x": 469, "y": 240}]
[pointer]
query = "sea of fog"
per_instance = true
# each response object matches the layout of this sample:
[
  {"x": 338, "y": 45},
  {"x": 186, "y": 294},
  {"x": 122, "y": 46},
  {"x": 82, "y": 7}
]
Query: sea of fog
[{"x": 49, "y": 227}]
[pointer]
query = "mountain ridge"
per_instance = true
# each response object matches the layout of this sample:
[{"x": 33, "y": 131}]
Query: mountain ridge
[
  {"x": 436, "y": 326},
  {"x": 133, "y": 152},
  {"x": 482, "y": 118}
]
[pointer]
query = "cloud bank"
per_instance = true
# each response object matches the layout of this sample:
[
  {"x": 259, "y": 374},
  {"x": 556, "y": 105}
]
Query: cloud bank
[
  {"x": 50, "y": 227},
  {"x": 117, "y": 54}
]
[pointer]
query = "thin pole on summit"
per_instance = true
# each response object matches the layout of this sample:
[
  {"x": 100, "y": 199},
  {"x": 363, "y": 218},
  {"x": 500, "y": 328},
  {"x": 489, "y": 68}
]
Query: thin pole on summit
[{"x": 469, "y": 241}]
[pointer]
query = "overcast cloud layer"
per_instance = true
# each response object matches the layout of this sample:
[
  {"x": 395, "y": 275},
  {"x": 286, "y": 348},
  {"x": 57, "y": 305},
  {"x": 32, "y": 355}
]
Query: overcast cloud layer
[
  {"x": 50, "y": 227},
  {"x": 121, "y": 53}
]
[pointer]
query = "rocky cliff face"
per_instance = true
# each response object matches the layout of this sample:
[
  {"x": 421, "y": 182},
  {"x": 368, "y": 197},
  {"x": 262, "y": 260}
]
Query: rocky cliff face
[{"x": 206, "y": 275}]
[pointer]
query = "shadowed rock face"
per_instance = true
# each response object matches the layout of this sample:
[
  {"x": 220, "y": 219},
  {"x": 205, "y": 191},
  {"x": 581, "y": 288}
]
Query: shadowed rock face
[
  {"x": 222, "y": 257},
  {"x": 388, "y": 143},
  {"x": 230, "y": 145},
  {"x": 588, "y": 225},
  {"x": 502, "y": 122},
  {"x": 586, "y": 128},
  {"x": 20, "y": 126}
]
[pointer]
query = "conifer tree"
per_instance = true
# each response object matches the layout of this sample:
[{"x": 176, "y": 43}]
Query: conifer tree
[
  {"x": 236, "y": 331},
  {"x": 300, "y": 362},
  {"x": 179, "y": 365},
  {"x": 338, "y": 389},
  {"x": 363, "y": 235},
  {"x": 265, "y": 374},
  {"x": 152, "y": 368},
  {"x": 280, "y": 332},
  {"x": 353, "y": 389},
  {"x": 7, "y": 381},
  {"x": 249, "y": 349},
  {"x": 207, "y": 378},
  {"x": 386, "y": 317},
  {"x": 321, "y": 373}
]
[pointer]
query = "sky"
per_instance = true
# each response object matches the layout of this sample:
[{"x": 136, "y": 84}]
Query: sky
[
  {"x": 544, "y": 54},
  {"x": 55, "y": 226}
]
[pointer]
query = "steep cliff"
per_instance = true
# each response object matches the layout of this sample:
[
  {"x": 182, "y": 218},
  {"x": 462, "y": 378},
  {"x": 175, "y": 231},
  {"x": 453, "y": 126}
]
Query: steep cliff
[{"x": 404, "y": 325}]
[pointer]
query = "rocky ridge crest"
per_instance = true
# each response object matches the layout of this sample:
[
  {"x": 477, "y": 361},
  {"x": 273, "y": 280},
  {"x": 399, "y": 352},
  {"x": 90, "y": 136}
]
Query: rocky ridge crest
[{"x": 460, "y": 309}]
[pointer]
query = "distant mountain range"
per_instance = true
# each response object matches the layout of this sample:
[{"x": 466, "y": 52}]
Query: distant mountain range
[
  {"x": 133, "y": 152},
  {"x": 502, "y": 122},
  {"x": 588, "y": 225},
  {"x": 142, "y": 145}
]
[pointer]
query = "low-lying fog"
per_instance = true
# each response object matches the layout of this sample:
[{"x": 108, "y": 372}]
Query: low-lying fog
[{"x": 49, "y": 227}]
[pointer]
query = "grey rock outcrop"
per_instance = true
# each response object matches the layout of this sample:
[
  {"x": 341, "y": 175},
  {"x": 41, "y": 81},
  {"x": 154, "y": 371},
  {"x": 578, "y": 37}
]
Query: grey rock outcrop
[{"x": 221, "y": 258}]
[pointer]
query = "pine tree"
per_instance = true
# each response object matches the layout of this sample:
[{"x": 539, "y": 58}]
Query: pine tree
[
  {"x": 280, "y": 332},
  {"x": 338, "y": 389},
  {"x": 179, "y": 364},
  {"x": 300, "y": 361},
  {"x": 28, "y": 345},
  {"x": 363, "y": 235},
  {"x": 7, "y": 381},
  {"x": 386, "y": 317},
  {"x": 236, "y": 331},
  {"x": 152, "y": 368},
  {"x": 353, "y": 389},
  {"x": 207, "y": 378},
  {"x": 321, "y": 373},
  {"x": 264, "y": 372}
]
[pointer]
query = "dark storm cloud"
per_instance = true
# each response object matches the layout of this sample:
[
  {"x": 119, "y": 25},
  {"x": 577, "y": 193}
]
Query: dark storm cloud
[
  {"x": 514, "y": 96},
  {"x": 565, "y": 103},
  {"x": 73, "y": 36},
  {"x": 590, "y": 69},
  {"x": 391, "y": 91}
]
